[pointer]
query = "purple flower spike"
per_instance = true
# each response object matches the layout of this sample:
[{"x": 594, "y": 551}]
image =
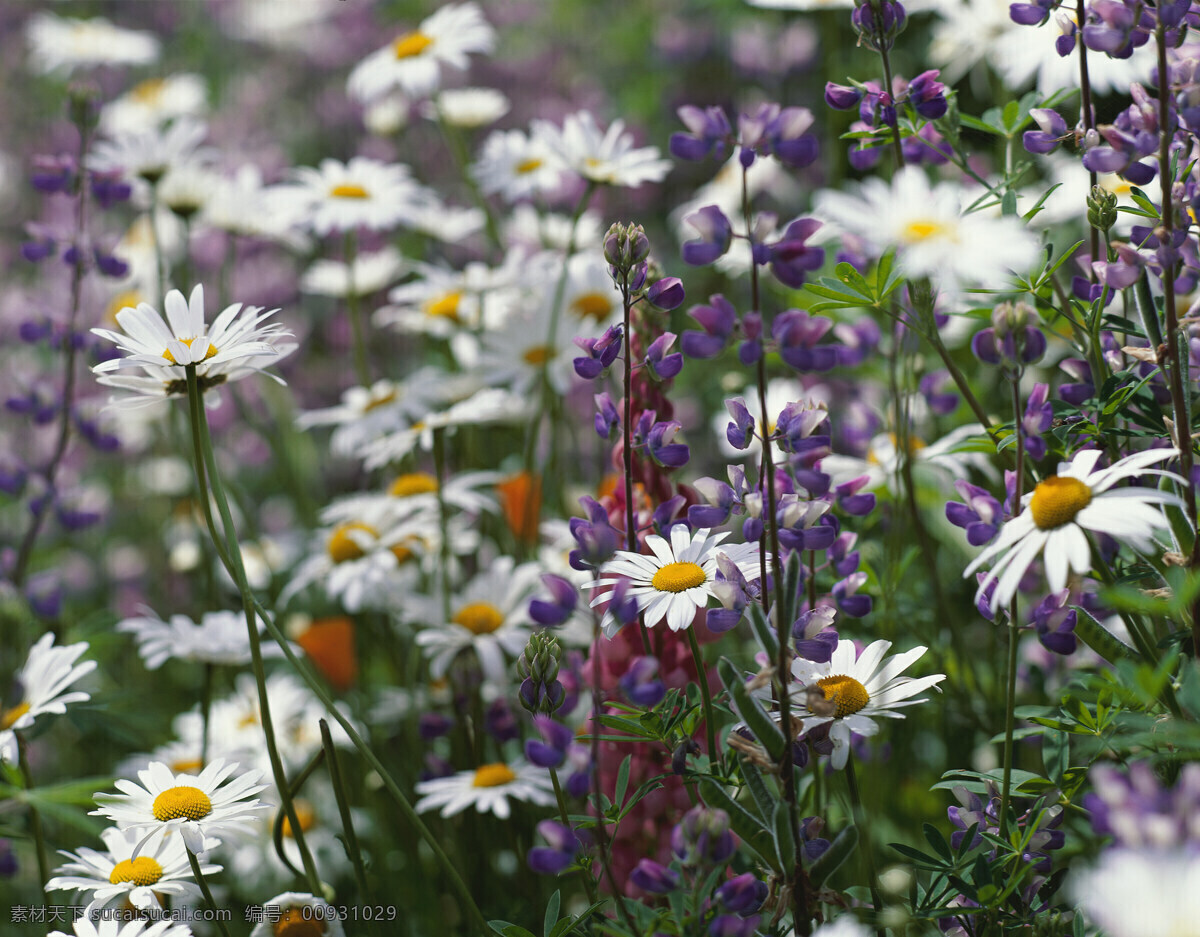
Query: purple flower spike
[
  {"x": 702, "y": 838},
  {"x": 716, "y": 234},
  {"x": 717, "y": 319},
  {"x": 662, "y": 365},
  {"x": 979, "y": 513},
  {"x": 654, "y": 878},
  {"x": 1039, "y": 416},
  {"x": 741, "y": 431},
  {"x": 607, "y": 418},
  {"x": 708, "y": 133}
]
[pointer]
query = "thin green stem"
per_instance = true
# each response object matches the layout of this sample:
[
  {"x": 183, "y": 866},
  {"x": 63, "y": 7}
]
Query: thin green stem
[
  {"x": 343, "y": 803},
  {"x": 1014, "y": 634},
  {"x": 864, "y": 836},
  {"x": 897, "y": 146},
  {"x": 589, "y": 884},
  {"x": 35, "y": 816},
  {"x": 631, "y": 530},
  {"x": 458, "y": 152},
  {"x": 710, "y": 727},
  {"x": 238, "y": 573},
  {"x": 206, "y": 692},
  {"x": 207, "y": 892},
  {"x": 439, "y": 468},
  {"x": 295, "y": 785}
]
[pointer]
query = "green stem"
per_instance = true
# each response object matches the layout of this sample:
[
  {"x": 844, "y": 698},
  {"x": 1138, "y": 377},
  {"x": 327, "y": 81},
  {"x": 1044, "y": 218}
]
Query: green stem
[
  {"x": 205, "y": 709},
  {"x": 631, "y": 543},
  {"x": 564, "y": 818},
  {"x": 238, "y": 573},
  {"x": 458, "y": 152},
  {"x": 293, "y": 790},
  {"x": 864, "y": 835},
  {"x": 207, "y": 892},
  {"x": 362, "y": 361},
  {"x": 1014, "y": 635},
  {"x": 710, "y": 727},
  {"x": 35, "y": 817},
  {"x": 343, "y": 804},
  {"x": 439, "y": 469}
]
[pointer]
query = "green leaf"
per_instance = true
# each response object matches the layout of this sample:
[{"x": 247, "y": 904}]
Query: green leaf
[
  {"x": 1037, "y": 206},
  {"x": 505, "y": 929},
  {"x": 1096, "y": 637},
  {"x": 1008, "y": 204},
  {"x": 832, "y": 858},
  {"x": 763, "y": 632},
  {"x": 785, "y": 843},
  {"x": 750, "y": 828},
  {"x": 1056, "y": 751},
  {"x": 750, "y": 711},
  {"x": 758, "y": 788},
  {"x": 551, "y": 914},
  {"x": 935, "y": 839},
  {"x": 622, "y": 780},
  {"x": 1011, "y": 114}
]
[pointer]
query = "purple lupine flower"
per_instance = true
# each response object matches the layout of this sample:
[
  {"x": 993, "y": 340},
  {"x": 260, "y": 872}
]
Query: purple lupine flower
[
  {"x": 432, "y": 725},
  {"x": 717, "y": 319},
  {"x": 750, "y": 350},
  {"x": 1110, "y": 27},
  {"x": 734, "y": 593},
  {"x": 797, "y": 334},
  {"x": 108, "y": 188},
  {"x": 788, "y": 139},
  {"x": 1055, "y": 623},
  {"x": 1030, "y": 14},
  {"x": 1134, "y": 808},
  {"x": 842, "y": 97},
  {"x": 974, "y": 810},
  {"x": 734, "y": 925},
  {"x": 1039, "y": 416},
  {"x": 716, "y": 234},
  {"x": 934, "y": 388},
  {"x": 1082, "y": 388},
  {"x": 927, "y": 95},
  {"x": 1123, "y": 272},
  {"x": 790, "y": 258},
  {"x": 742, "y": 894},
  {"x": 813, "y": 843},
  {"x": 660, "y": 364},
  {"x": 665, "y": 516},
  {"x": 641, "y": 683},
  {"x": 864, "y": 152},
  {"x": 662, "y": 449},
  {"x": 849, "y": 499},
  {"x": 1013, "y": 340},
  {"x": 979, "y": 513},
  {"x": 666, "y": 293},
  {"x": 563, "y": 599},
  {"x": 848, "y": 601},
  {"x": 740, "y": 432},
  {"x": 795, "y": 426},
  {"x": 1052, "y": 131},
  {"x": 814, "y": 634},
  {"x": 652, "y": 877},
  {"x": 559, "y": 854},
  {"x": 879, "y": 23},
  {"x": 501, "y": 723},
  {"x": 800, "y": 524},
  {"x": 607, "y": 419},
  {"x": 596, "y": 537},
  {"x": 53, "y": 173},
  {"x": 702, "y": 838},
  {"x": 551, "y": 750},
  {"x": 601, "y": 352},
  {"x": 926, "y": 146},
  {"x": 709, "y": 132},
  {"x": 721, "y": 502},
  {"x": 842, "y": 554}
]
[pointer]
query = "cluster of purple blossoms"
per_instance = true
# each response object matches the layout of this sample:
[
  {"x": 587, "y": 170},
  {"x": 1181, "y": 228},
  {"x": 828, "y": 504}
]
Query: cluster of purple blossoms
[{"x": 1138, "y": 812}]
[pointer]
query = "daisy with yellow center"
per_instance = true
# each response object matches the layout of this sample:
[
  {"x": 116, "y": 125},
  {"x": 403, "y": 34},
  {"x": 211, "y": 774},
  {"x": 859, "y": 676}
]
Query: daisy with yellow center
[
  {"x": 42, "y": 681},
  {"x": 362, "y": 193},
  {"x": 487, "y": 788},
  {"x": 1062, "y": 509},
  {"x": 161, "y": 870},
  {"x": 200, "y": 807},
  {"x": 677, "y": 580},
  {"x": 298, "y": 914},
  {"x": 851, "y": 688}
]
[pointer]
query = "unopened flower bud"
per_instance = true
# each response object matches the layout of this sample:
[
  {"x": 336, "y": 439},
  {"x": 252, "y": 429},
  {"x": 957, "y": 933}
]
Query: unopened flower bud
[{"x": 1101, "y": 208}]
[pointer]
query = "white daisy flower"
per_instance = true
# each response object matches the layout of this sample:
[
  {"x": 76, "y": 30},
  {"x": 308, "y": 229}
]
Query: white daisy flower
[
  {"x": 47, "y": 673},
  {"x": 802, "y": 5},
  {"x": 1114, "y": 894},
  {"x": 529, "y": 231},
  {"x": 489, "y": 615},
  {"x": 932, "y": 236},
  {"x": 83, "y": 927},
  {"x": 411, "y": 493},
  {"x": 218, "y": 638},
  {"x": 936, "y": 464},
  {"x": 57, "y": 43},
  {"x": 160, "y": 869},
  {"x": 371, "y": 272},
  {"x": 678, "y": 579},
  {"x": 847, "y": 691},
  {"x": 1062, "y": 508},
  {"x": 450, "y": 224},
  {"x": 441, "y": 302},
  {"x": 241, "y": 204},
  {"x": 413, "y": 62},
  {"x": 299, "y": 912},
  {"x": 605, "y": 157},
  {"x": 148, "y": 155},
  {"x": 200, "y": 807},
  {"x": 150, "y": 104},
  {"x": 297, "y": 24},
  {"x": 517, "y": 353},
  {"x": 363, "y": 193},
  {"x": 467, "y": 107},
  {"x": 187, "y": 189},
  {"x": 238, "y": 343},
  {"x": 488, "y": 788},
  {"x": 516, "y": 166}
]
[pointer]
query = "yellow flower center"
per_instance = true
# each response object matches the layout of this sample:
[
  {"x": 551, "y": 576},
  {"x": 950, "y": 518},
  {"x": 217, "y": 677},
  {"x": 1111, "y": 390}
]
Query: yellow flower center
[
  {"x": 402, "y": 552},
  {"x": 305, "y": 816},
  {"x": 181, "y": 803},
  {"x": 124, "y": 300},
  {"x": 413, "y": 483},
  {"x": 528, "y": 165},
  {"x": 411, "y": 44},
  {"x": 915, "y": 445},
  {"x": 140, "y": 871},
  {"x": 380, "y": 400},
  {"x": 919, "y": 230},
  {"x": 445, "y": 306},
  {"x": 349, "y": 190},
  {"x": 677, "y": 577},
  {"x": 187, "y": 766},
  {"x": 493, "y": 775},
  {"x": 212, "y": 350},
  {"x": 1057, "y": 500},
  {"x": 149, "y": 91},
  {"x": 538, "y": 354},
  {"x": 592, "y": 306},
  {"x": 342, "y": 546},
  {"x": 292, "y": 923},
  {"x": 845, "y": 692},
  {"x": 479, "y": 617},
  {"x": 12, "y": 715}
]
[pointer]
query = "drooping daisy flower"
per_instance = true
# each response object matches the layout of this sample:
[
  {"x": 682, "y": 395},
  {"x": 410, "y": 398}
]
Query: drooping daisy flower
[
  {"x": 847, "y": 691},
  {"x": 1062, "y": 508},
  {"x": 238, "y": 343},
  {"x": 488, "y": 788},
  {"x": 1115, "y": 894},
  {"x": 606, "y": 157},
  {"x": 301, "y": 913},
  {"x": 150, "y": 154},
  {"x": 83, "y": 927},
  {"x": 412, "y": 62},
  {"x": 218, "y": 638},
  {"x": 200, "y": 807},
  {"x": 488, "y": 616},
  {"x": 160, "y": 869},
  {"x": 932, "y": 236},
  {"x": 678, "y": 579},
  {"x": 363, "y": 193},
  {"x": 370, "y": 273},
  {"x": 47, "y": 673},
  {"x": 56, "y": 43}
]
